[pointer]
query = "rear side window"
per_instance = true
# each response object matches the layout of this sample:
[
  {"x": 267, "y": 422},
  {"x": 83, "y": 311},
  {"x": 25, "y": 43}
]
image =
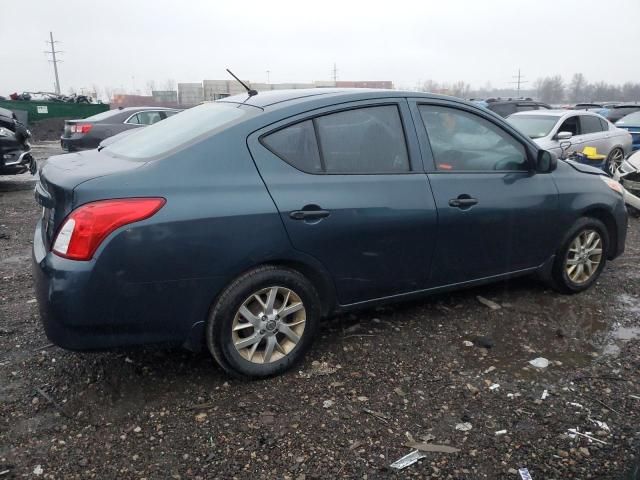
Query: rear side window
[
  {"x": 590, "y": 124},
  {"x": 365, "y": 140},
  {"x": 361, "y": 141},
  {"x": 604, "y": 124},
  {"x": 297, "y": 146}
]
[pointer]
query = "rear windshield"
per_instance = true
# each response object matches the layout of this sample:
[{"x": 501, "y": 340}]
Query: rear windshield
[
  {"x": 176, "y": 130},
  {"x": 102, "y": 115},
  {"x": 631, "y": 119},
  {"x": 533, "y": 126}
]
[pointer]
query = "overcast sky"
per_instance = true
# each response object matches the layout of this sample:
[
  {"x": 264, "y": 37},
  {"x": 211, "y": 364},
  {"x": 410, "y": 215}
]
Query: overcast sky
[{"x": 121, "y": 43}]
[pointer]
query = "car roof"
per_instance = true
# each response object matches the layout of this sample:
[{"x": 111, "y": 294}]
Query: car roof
[
  {"x": 275, "y": 98},
  {"x": 555, "y": 113},
  {"x": 139, "y": 109}
]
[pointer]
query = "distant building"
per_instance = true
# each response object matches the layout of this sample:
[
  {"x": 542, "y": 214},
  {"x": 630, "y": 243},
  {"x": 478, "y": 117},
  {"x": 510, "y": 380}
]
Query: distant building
[
  {"x": 165, "y": 98},
  {"x": 190, "y": 94},
  {"x": 123, "y": 100}
]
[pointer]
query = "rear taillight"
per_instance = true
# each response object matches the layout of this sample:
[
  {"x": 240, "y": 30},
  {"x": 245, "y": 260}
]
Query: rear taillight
[
  {"x": 87, "y": 226},
  {"x": 81, "y": 128}
]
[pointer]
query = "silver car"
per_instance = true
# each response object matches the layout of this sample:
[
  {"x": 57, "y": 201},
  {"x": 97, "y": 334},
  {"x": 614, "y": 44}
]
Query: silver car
[{"x": 574, "y": 129}]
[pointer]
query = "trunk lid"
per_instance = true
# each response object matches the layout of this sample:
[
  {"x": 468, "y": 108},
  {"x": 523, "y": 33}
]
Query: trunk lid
[
  {"x": 62, "y": 174},
  {"x": 67, "y": 132}
]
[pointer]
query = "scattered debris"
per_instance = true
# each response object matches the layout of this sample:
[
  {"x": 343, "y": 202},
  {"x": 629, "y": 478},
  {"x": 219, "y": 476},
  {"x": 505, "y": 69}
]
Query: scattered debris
[
  {"x": 635, "y": 396},
  {"x": 464, "y": 427},
  {"x": 467, "y": 343},
  {"x": 362, "y": 398},
  {"x": 488, "y": 303},
  {"x": 4, "y": 472},
  {"x": 539, "y": 362},
  {"x": 328, "y": 403},
  {"x": 574, "y": 404},
  {"x": 32, "y": 300},
  {"x": 55, "y": 404},
  {"x": 573, "y": 432},
  {"x": 483, "y": 342},
  {"x": 318, "y": 369},
  {"x": 201, "y": 417},
  {"x": 524, "y": 474},
  {"x": 128, "y": 360},
  {"x": 38, "y": 470},
  {"x": 495, "y": 386},
  {"x": 43, "y": 347},
  {"x": 378, "y": 415},
  {"x": 501, "y": 432},
  {"x": 545, "y": 394},
  {"x": 490, "y": 369},
  {"x": 355, "y": 445},
  {"x": 408, "y": 459},
  {"x": 432, "y": 447},
  {"x": 601, "y": 425}
]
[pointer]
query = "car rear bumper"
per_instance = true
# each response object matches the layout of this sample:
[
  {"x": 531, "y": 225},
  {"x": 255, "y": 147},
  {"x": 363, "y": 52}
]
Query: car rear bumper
[
  {"x": 81, "y": 308},
  {"x": 78, "y": 142}
]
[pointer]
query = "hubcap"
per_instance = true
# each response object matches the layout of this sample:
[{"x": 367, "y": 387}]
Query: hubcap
[
  {"x": 615, "y": 160},
  {"x": 268, "y": 325},
  {"x": 584, "y": 256}
]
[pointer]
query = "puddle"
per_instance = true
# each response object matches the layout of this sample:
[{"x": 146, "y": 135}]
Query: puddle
[{"x": 630, "y": 306}]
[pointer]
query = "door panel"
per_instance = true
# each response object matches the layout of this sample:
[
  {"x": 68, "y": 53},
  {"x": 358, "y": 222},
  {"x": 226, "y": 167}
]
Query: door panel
[
  {"x": 495, "y": 215},
  {"x": 510, "y": 228},
  {"x": 375, "y": 233}
]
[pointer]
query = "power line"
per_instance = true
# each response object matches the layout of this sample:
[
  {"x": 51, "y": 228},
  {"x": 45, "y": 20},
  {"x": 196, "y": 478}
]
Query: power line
[
  {"x": 54, "y": 60},
  {"x": 519, "y": 81}
]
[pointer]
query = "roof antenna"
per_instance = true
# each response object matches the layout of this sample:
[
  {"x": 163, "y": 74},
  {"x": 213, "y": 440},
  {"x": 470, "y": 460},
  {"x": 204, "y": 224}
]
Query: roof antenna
[{"x": 250, "y": 91}]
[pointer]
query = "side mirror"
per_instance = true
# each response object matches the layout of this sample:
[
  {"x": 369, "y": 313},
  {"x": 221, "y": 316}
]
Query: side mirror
[
  {"x": 563, "y": 135},
  {"x": 546, "y": 162}
]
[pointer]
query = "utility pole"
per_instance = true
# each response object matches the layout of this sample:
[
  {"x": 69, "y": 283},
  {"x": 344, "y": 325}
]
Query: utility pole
[
  {"x": 268, "y": 74},
  {"x": 335, "y": 73},
  {"x": 54, "y": 60},
  {"x": 519, "y": 81}
]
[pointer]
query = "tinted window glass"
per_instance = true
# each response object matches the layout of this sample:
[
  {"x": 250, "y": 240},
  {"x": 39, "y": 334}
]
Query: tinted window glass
[
  {"x": 177, "y": 131},
  {"x": 631, "y": 119},
  {"x": 297, "y": 146},
  {"x": 134, "y": 119},
  {"x": 570, "y": 125},
  {"x": 590, "y": 124},
  {"x": 149, "y": 118},
  {"x": 504, "y": 110},
  {"x": 463, "y": 141},
  {"x": 527, "y": 107},
  {"x": 533, "y": 126},
  {"x": 365, "y": 140},
  {"x": 605, "y": 125}
]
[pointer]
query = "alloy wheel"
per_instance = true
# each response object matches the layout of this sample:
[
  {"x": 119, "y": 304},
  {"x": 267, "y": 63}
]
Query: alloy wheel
[
  {"x": 615, "y": 160},
  {"x": 584, "y": 256},
  {"x": 268, "y": 325}
]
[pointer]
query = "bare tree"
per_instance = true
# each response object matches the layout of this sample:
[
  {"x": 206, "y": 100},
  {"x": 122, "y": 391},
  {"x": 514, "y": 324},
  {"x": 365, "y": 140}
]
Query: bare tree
[
  {"x": 550, "y": 89},
  {"x": 577, "y": 88},
  {"x": 460, "y": 89},
  {"x": 108, "y": 92},
  {"x": 170, "y": 84},
  {"x": 151, "y": 86}
]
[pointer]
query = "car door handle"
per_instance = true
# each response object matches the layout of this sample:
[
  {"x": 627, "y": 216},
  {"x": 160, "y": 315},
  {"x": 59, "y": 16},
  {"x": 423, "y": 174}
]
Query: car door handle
[
  {"x": 308, "y": 214},
  {"x": 462, "y": 202}
]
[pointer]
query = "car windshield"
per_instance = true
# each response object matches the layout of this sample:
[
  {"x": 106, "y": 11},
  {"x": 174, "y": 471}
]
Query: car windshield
[
  {"x": 176, "y": 130},
  {"x": 533, "y": 126},
  {"x": 631, "y": 119}
]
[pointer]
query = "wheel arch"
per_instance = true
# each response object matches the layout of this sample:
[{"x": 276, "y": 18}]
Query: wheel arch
[{"x": 606, "y": 217}]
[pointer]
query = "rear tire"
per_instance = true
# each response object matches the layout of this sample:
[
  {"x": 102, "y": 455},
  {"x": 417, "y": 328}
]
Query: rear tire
[
  {"x": 263, "y": 323},
  {"x": 581, "y": 257}
]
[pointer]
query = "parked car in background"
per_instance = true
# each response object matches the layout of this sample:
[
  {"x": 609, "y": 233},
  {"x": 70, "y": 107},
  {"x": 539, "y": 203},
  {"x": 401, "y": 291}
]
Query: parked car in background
[
  {"x": 578, "y": 129},
  {"x": 89, "y": 132},
  {"x": 505, "y": 107},
  {"x": 15, "y": 150},
  {"x": 240, "y": 224},
  {"x": 631, "y": 123},
  {"x": 614, "y": 114}
]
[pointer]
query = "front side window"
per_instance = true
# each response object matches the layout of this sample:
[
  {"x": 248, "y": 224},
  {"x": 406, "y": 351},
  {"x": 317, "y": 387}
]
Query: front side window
[
  {"x": 570, "y": 125},
  {"x": 366, "y": 140},
  {"x": 149, "y": 118},
  {"x": 590, "y": 124},
  {"x": 177, "y": 131},
  {"x": 462, "y": 141}
]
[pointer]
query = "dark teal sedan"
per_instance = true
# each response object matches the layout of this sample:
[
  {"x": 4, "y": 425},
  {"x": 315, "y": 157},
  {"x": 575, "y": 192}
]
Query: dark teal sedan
[{"x": 238, "y": 225}]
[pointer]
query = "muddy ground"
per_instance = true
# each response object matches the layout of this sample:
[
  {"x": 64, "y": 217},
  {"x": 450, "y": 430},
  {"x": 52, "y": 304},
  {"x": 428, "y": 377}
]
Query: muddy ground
[{"x": 372, "y": 382}]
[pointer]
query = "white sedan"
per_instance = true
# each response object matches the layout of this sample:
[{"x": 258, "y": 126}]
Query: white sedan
[{"x": 574, "y": 129}]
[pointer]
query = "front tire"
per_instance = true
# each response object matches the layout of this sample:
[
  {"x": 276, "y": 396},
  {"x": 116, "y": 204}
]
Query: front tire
[
  {"x": 263, "y": 323},
  {"x": 581, "y": 257}
]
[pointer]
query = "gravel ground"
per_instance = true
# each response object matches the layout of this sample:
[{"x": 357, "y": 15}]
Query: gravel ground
[{"x": 373, "y": 382}]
